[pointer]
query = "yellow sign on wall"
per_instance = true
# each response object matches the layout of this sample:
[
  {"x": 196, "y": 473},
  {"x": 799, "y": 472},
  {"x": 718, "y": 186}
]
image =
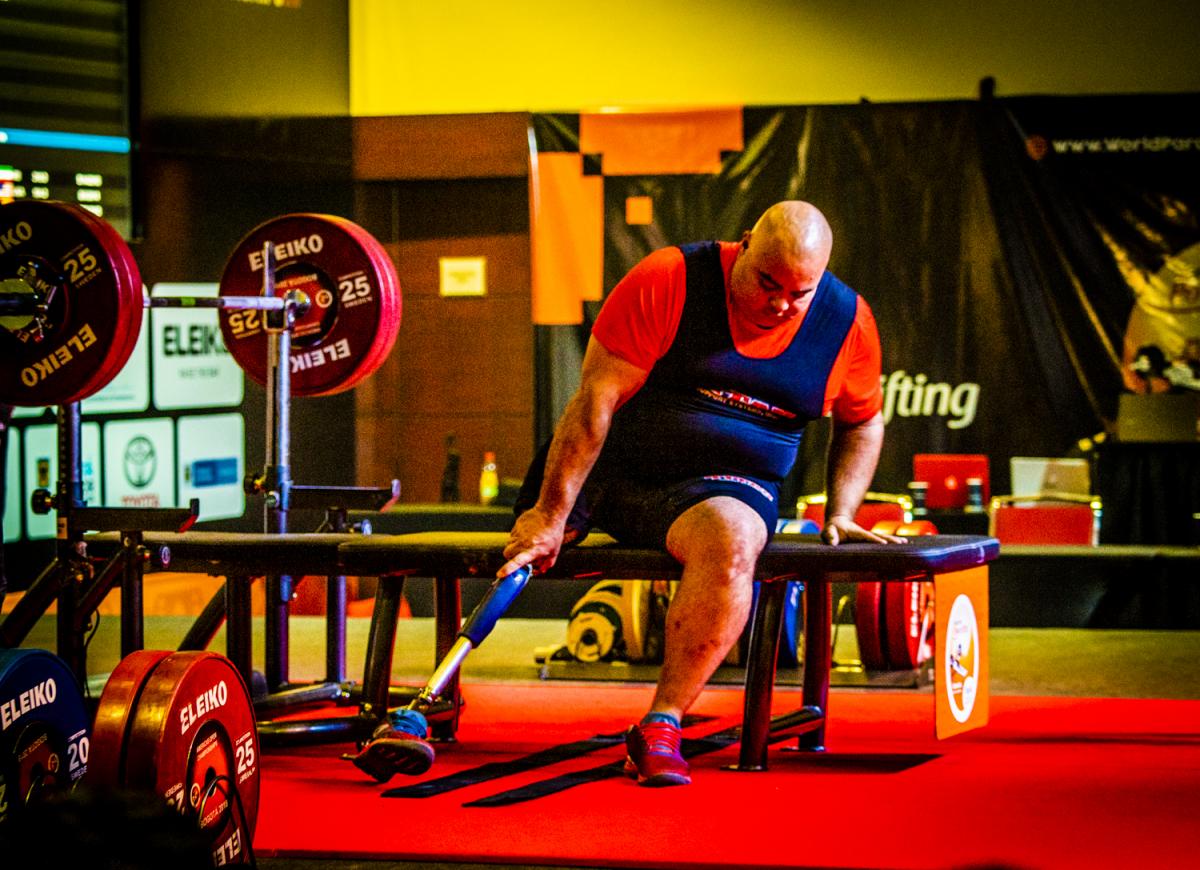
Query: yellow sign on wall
[{"x": 462, "y": 276}]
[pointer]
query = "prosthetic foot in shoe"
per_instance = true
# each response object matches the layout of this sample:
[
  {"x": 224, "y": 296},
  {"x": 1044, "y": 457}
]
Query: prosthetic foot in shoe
[{"x": 397, "y": 746}]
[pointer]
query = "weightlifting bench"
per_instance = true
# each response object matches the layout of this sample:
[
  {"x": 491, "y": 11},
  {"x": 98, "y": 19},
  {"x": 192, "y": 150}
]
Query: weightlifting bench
[{"x": 449, "y": 556}]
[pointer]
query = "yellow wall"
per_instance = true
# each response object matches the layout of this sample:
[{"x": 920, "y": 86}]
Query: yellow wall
[{"x": 545, "y": 55}]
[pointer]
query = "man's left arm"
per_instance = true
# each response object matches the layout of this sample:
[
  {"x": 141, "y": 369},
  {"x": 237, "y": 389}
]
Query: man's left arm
[{"x": 854, "y": 450}]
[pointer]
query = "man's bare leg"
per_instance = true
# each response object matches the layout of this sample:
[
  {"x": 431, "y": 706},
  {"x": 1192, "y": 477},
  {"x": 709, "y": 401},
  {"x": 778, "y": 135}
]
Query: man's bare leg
[{"x": 718, "y": 542}]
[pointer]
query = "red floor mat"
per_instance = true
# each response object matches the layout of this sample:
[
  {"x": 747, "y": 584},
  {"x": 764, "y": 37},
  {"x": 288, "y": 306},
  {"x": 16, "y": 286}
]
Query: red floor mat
[{"x": 1050, "y": 782}]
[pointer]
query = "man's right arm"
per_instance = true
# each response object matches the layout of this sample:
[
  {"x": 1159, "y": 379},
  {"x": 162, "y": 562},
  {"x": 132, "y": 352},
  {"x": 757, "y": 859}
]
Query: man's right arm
[{"x": 607, "y": 382}]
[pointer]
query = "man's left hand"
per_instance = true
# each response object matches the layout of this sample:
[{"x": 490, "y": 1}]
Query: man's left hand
[{"x": 839, "y": 530}]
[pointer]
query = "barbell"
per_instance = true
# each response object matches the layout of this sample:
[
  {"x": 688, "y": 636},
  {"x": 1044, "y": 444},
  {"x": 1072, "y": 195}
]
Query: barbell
[{"x": 71, "y": 302}]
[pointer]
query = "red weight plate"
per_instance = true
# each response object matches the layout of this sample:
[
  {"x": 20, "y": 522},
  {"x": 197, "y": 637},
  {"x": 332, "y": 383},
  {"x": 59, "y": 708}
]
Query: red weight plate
[
  {"x": 390, "y": 315},
  {"x": 193, "y": 741},
  {"x": 390, "y": 309},
  {"x": 868, "y": 601},
  {"x": 87, "y": 275},
  {"x": 354, "y": 301},
  {"x": 904, "y": 610},
  {"x": 133, "y": 315},
  {"x": 110, "y": 731},
  {"x": 908, "y": 609}
]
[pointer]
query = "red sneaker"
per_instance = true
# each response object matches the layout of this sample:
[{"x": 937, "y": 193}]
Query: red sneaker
[{"x": 653, "y": 755}]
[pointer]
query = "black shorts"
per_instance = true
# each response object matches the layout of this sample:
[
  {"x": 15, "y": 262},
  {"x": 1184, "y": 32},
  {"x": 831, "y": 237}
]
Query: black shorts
[{"x": 640, "y": 513}]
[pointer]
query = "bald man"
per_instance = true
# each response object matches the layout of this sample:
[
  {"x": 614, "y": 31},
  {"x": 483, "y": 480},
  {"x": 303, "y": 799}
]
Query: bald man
[{"x": 704, "y": 365}]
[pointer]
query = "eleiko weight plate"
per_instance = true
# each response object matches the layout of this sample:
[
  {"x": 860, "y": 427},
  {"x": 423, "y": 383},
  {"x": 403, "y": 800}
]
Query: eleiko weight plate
[
  {"x": 87, "y": 278},
  {"x": 390, "y": 314},
  {"x": 868, "y": 625},
  {"x": 44, "y": 738},
  {"x": 354, "y": 301},
  {"x": 110, "y": 730},
  {"x": 193, "y": 742}
]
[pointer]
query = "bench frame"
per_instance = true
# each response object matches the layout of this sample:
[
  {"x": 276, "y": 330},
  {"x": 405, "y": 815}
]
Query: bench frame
[{"x": 449, "y": 556}]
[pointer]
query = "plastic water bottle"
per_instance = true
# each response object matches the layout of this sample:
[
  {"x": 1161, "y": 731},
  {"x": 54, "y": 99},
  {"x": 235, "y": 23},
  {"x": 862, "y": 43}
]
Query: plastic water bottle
[{"x": 489, "y": 479}]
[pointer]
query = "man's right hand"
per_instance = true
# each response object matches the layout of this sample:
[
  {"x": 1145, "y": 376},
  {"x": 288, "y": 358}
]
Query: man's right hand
[{"x": 535, "y": 540}]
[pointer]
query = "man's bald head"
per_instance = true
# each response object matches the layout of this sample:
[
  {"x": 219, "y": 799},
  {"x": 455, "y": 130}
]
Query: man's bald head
[
  {"x": 798, "y": 229},
  {"x": 780, "y": 264}
]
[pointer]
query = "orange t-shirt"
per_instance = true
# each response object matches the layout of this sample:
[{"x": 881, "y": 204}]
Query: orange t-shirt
[{"x": 639, "y": 319}]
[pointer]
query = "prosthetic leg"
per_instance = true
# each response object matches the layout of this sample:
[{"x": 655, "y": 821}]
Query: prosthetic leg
[{"x": 398, "y": 745}]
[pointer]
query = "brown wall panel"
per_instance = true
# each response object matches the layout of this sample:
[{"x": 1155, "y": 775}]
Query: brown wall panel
[
  {"x": 466, "y": 356},
  {"x": 441, "y": 146},
  {"x": 461, "y": 366},
  {"x": 507, "y": 264},
  {"x": 415, "y": 452}
]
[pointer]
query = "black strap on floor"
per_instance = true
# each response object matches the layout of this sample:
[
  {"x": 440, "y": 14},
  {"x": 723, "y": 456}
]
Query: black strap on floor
[
  {"x": 498, "y": 769},
  {"x": 690, "y": 749}
]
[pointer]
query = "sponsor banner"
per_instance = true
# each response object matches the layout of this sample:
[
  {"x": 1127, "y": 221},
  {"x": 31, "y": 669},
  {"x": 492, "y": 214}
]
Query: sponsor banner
[
  {"x": 192, "y": 368},
  {"x": 139, "y": 463},
  {"x": 41, "y": 472},
  {"x": 961, "y": 651},
  {"x": 212, "y": 464}
]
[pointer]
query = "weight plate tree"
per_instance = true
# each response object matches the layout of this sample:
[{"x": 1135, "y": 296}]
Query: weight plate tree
[
  {"x": 181, "y": 725},
  {"x": 354, "y": 301},
  {"x": 84, "y": 297},
  {"x": 44, "y": 737}
]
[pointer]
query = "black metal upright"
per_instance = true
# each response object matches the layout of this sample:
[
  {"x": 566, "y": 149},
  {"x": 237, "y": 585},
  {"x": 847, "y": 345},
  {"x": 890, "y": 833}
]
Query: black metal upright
[
  {"x": 277, "y": 482},
  {"x": 68, "y": 497}
]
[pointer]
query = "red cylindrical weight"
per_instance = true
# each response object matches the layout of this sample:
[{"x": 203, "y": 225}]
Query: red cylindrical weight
[
  {"x": 110, "y": 731},
  {"x": 868, "y": 601},
  {"x": 354, "y": 301},
  {"x": 908, "y": 610},
  {"x": 87, "y": 278},
  {"x": 894, "y": 621},
  {"x": 193, "y": 742}
]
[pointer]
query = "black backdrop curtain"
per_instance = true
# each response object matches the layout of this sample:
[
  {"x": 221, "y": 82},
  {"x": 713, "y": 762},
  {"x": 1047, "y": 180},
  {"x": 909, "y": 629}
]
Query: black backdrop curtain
[{"x": 1001, "y": 257}]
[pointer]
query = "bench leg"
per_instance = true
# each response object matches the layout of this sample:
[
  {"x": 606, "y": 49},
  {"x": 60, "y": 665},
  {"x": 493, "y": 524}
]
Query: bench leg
[
  {"x": 765, "y": 625},
  {"x": 381, "y": 645},
  {"x": 239, "y": 620},
  {"x": 818, "y": 657},
  {"x": 133, "y": 636}
]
